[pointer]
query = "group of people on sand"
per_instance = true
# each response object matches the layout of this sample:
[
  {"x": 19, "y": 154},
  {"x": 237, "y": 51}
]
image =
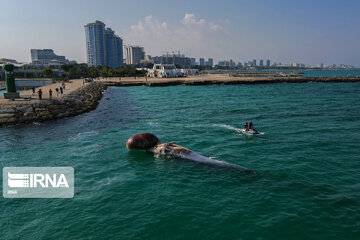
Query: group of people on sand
[{"x": 58, "y": 91}]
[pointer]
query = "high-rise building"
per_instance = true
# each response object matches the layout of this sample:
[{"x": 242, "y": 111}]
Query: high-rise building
[
  {"x": 103, "y": 47},
  {"x": 202, "y": 62},
  {"x": 114, "y": 49},
  {"x": 227, "y": 63},
  {"x": 45, "y": 56},
  {"x": 95, "y": 43},
  {"x": 177, "y": 59},
  {"x": 134, "y": 54},
  {"x": 268, "y": 63},
  {"x": 254, "y": 63},
  {"x": 210, "y": 62},
  {"x": 261, "y": 63}
]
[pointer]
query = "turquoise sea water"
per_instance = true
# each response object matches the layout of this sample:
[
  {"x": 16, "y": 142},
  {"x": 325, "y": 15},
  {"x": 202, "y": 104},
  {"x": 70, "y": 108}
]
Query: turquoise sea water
[
  {"x": 307, "y": 162},
  {"x": 332, "y": 73}
]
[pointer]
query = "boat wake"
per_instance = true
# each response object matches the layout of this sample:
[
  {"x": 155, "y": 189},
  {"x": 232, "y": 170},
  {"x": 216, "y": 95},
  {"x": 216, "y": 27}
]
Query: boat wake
[{"x": 225, "y": 126}]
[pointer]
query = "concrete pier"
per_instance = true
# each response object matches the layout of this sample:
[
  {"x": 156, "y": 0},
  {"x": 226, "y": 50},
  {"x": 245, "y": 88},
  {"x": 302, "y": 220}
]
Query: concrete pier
[{"x": 218, "y": 79}]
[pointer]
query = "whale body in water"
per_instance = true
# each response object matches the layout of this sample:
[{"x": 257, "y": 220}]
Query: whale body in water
[{"x": 150, "y": 143}]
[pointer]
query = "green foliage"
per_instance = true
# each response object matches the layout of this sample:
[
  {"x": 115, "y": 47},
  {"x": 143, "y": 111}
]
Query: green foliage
[
  {"x": 145, "y": 65},
  {"x": 74, "y": 71},
  {"x": 47, "y": 72}
]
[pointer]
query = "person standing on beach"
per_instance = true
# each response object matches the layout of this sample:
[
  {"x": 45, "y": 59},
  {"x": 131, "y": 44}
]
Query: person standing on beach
[
  {"x": 33, "y": 89},
  {"x": 61, "y": 90},
  {"x": 50, "y": 93},
  {"x": 63, "y": 85},
  {"x": 57, "y": 91},
  {"x": 40, "y": 93}
]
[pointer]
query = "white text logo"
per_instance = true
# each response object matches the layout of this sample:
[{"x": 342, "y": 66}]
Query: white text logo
[{"x": 38, "y": 182}]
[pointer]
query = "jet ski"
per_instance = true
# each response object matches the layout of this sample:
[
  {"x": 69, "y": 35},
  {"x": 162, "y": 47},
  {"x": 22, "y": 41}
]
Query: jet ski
[
  {"x": 150, "y": 143},
  {"x": 248, "y": 132}
]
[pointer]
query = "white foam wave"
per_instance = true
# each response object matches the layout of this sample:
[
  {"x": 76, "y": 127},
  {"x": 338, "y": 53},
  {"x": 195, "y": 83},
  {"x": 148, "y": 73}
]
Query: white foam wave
[
  {"x": 153, "y": 123},
  {"x": 83, "y": 135}
]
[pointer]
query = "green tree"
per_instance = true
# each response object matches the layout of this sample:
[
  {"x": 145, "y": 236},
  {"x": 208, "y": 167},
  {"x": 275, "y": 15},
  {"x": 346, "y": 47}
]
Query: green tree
[
  {"x": 47, "y": 72},
  {"x": 74, "y": 71}
]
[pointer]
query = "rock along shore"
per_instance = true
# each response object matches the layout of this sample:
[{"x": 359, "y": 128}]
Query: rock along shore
[{"x": 81, "y": 100}]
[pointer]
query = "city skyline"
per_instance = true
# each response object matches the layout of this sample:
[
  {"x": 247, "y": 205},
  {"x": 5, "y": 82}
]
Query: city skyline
[{"x": 284, "y": 31}]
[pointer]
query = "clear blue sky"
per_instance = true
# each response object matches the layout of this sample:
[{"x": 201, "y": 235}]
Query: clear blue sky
[{"x": 307, "y": 31}]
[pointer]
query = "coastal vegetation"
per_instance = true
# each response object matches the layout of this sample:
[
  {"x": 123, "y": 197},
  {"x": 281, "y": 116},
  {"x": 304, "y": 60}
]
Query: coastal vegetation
[
  {"x": 47, "y": 72},
  {"x": 74, "y": 71}
]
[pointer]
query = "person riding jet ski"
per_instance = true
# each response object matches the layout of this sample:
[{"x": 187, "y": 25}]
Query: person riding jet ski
[{"x": 249, "y": 129}]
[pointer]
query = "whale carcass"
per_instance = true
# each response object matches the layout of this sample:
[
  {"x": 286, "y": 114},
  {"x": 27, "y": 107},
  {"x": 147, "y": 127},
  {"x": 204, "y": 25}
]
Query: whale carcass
[{"x": 150, "y": 143}]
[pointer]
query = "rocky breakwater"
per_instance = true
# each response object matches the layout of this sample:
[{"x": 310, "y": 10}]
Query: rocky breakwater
[{"x": 81, "y": 100}]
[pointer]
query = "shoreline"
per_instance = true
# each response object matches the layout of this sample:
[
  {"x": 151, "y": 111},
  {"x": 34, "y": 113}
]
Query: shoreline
[
  {"x": 80, "y": 98},
  {"x": 219, "y": 79},
  {"x": 78, "y": 101}
]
